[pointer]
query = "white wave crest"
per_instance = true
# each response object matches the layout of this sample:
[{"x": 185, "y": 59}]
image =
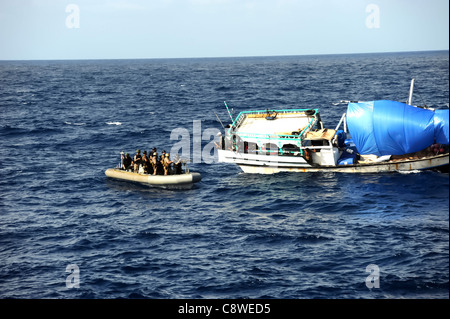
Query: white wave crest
[
  {"x": 414, "y": 171},
  {"x": 72, "y": 123}
]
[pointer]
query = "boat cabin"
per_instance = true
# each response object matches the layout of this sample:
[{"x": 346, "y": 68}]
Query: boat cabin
[
  {"x": 294, "y": 132},
  {"x": 382, "y": 136}
]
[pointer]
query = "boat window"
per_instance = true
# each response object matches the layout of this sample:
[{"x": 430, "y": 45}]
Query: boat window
[
  {"x": 270, "y": 148},
  {"x": 290, "y": 149},
  {"x": 250, "y": 147}
]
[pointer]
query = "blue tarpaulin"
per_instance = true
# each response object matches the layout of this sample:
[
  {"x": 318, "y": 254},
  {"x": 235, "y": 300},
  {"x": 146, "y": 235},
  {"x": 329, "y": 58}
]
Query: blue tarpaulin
[
  {"x": 348, "y": 156},
  {"x": 441, "y": 126},
  {"x": 394, "y": 128}
]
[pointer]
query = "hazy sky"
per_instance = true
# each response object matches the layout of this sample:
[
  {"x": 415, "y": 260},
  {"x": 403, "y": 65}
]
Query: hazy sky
[{"x": 116, "y": 29}]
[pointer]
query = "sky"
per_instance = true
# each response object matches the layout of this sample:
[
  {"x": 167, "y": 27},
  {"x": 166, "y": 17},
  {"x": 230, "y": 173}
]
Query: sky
[{"x": 131, "y": 29}]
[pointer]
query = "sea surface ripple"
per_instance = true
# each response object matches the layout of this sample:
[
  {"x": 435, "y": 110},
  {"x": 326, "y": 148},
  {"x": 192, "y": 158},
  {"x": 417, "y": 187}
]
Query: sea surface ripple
[{"x": 233, "y": 235}]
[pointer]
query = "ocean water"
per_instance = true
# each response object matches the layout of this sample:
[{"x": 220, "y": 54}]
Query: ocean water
[{"x": 233, "y": 235}]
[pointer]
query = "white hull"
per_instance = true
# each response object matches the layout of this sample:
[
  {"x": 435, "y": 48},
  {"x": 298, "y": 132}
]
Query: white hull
[
  {"x": 262, "y": 164},
  {"x": 155, "y": 180}
]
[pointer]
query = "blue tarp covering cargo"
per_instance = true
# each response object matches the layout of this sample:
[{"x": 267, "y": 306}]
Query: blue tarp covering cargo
[
  {"x": 394, "y": 128},
  {"x": 348, "y": 156},
  {"x": 441, "y": 126}
]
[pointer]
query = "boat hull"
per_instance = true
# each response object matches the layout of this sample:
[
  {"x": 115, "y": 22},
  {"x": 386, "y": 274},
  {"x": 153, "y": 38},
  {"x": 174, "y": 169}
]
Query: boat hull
[
  {"x": 181, "y": 180},
  {"x": 278, "y": 164}
]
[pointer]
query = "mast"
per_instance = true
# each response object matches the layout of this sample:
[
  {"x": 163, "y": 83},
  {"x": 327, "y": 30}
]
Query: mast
[{"x": 410, "y": 93}]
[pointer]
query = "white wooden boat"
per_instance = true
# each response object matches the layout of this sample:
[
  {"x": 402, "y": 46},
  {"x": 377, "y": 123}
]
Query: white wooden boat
[{"x": 377, "y": 136}]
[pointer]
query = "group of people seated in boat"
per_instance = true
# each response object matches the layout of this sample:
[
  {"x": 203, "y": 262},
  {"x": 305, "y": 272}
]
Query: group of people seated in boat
[{"x": 150, "y": 163}]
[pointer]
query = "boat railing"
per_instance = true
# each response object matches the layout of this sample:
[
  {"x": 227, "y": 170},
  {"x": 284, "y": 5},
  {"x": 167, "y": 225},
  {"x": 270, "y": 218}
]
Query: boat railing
[
  {"x": 264, "y": 136},
  {"x": 238, "y": 120},
  {"x": 343, "y": 120},
  {"x": 242, "y": 115},
  {"x": 282, "y": 152},
  {"x": 277, "y": 139},
  {"x": 296, "y": 138}
]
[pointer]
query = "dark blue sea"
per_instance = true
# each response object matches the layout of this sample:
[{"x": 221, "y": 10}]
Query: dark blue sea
[{"x": 67, "y": 231}]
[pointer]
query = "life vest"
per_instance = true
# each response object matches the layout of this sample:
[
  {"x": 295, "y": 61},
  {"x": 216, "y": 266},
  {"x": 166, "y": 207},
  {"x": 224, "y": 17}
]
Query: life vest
[{"x": 137, "y": 159}]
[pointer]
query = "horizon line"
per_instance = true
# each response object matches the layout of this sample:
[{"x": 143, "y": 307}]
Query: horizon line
[{"x": 223, "y": 57}]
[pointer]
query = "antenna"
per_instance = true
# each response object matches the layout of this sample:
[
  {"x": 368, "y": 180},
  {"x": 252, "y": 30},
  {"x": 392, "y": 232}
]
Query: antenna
[
  {"x": 219, "y": 120},
  {"x": 410, "y": 93}
]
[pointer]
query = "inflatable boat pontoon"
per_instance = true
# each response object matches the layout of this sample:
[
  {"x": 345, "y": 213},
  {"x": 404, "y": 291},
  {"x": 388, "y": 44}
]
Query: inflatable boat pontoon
[{"x": 182, "y": 180}]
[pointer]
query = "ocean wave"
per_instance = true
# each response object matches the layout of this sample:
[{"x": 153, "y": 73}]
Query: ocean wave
[
  {"x": 234, "y": 234},
  {"x": 74, "y": 123}
]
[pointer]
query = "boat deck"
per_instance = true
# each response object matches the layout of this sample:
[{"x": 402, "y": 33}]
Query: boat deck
[{"x": 282, "y": 125}]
